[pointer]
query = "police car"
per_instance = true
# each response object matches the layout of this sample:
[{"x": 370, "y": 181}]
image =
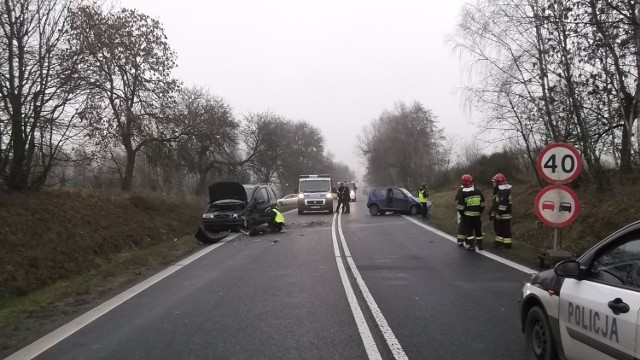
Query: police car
[{"x": 587, "y": 308}]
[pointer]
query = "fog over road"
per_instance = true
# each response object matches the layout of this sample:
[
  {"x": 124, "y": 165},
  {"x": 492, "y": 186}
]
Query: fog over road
[{"x": 342, "y": 286}]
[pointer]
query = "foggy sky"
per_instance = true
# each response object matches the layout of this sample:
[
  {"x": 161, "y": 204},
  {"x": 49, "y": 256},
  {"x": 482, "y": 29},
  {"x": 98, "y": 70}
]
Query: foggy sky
[{"x": 335, "y": 64}]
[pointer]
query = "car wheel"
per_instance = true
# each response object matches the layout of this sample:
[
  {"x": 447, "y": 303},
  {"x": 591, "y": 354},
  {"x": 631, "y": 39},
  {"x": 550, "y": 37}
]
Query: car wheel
[
  {"x": 374, "y": 209},
  {"x": 540, "y": 344},
  {"x": 300, "y": 212},
  {"x": 280, "y": 203},
  {"x": 210, "y": 237},
  {"x": 330, "y": 210},
  {"x": 413, "y": 210}
]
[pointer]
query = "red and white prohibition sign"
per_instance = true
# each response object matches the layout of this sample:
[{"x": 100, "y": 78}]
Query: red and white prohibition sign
[{"x": 557, "y": 206}]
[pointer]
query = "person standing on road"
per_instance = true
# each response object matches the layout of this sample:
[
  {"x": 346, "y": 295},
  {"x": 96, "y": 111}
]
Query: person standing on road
[
  {"x": 500, "y": 212},
  {"x": 423, "y": 193},
  {"x": 346, "y": 200},
  {"x": 470, "y": 206},
  {"x": 341, "y": 188}
]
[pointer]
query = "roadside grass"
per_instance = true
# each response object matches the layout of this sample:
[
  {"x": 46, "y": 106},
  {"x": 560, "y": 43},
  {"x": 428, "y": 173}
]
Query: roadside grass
[{"x": 126, "y": 268}]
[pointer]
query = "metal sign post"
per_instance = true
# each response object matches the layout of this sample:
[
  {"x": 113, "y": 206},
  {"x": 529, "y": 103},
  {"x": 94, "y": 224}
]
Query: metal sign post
[{"x": 556, "y": 205}]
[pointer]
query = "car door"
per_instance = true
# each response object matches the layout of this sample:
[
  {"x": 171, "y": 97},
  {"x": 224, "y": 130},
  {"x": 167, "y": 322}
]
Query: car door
[
  {"x": 389, "y": 197},
  {"x": 599, "y": 314},
  {"x": 400, "y": 200},
  {"x": 262, "y": 203}
]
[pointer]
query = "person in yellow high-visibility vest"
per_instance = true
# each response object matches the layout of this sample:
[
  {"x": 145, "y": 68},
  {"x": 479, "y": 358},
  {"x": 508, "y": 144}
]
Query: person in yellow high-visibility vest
[
  {"x": 275, "y": 220},
  {"x": 423, "y": 193}
]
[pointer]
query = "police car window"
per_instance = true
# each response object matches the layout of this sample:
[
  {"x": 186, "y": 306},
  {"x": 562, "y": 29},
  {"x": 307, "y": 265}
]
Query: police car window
[{"x": 619, "y": 265}]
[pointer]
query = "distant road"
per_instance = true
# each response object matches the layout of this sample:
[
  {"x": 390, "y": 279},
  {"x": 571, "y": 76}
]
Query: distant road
[{"x": 348, "y": 286}]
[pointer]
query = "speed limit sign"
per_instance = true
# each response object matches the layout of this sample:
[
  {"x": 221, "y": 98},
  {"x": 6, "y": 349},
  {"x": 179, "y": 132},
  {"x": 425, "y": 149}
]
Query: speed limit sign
[{"x": 559, "y": 163}]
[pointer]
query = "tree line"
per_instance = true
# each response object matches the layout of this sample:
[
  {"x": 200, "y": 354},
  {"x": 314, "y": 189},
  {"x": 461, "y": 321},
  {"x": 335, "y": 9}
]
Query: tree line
[
  {"x": 542, "y": 71},
  {"x": 538, "y": 72},
  {"x": 87, "y": 97}
]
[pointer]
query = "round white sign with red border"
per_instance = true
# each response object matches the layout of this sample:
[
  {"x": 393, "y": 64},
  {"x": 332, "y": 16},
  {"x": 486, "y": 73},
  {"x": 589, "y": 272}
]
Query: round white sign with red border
[
  {"x": 557, "y": 206},
  {"x": 559, "y": 163}
]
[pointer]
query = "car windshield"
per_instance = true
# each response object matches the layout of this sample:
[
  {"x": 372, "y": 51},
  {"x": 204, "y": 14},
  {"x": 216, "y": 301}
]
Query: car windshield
[
  {"x": 249, "y": 190},
  {"x": 320, "y": 185},
  {"x": 406, "y": 192}
]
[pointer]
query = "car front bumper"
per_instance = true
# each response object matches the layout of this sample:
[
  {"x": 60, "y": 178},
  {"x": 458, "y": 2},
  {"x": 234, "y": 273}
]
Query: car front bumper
[{"x": 217, "y": 224}]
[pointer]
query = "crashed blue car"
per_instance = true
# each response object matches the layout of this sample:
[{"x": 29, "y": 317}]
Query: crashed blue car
[{"x": 393, "y": 199}]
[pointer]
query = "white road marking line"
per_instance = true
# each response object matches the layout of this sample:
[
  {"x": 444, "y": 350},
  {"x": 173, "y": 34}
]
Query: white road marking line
[
  {"x": 365, "y": 333},
  {"x": 482, "y": 252},
  {"x": 394, "y": 345},
  {"x": 41, "y": 345}
]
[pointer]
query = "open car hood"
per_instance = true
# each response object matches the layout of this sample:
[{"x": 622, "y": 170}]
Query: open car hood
[{"x": 227, "y": 190}]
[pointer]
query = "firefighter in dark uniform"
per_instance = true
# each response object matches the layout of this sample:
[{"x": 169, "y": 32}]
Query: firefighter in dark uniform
[
  {"x": 341, "y": 188},
  {"x": 423, "y": 193},
  {"x": 470, "y": 207},
  {"x": 500, "y": 212},
  {"x": 275, "y": 219}
]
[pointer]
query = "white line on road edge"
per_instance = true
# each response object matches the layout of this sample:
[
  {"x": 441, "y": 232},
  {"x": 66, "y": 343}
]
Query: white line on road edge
[
  {"x": 363, "y": 328},
  {"x": 394, "y": 345},
  {"x": 485, "y": 253},
  {"x": 54, "y": 337}
]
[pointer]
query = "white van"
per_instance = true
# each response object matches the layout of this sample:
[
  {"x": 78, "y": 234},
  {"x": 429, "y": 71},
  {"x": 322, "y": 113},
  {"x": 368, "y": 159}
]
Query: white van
[{"x": 314, "y": 193}]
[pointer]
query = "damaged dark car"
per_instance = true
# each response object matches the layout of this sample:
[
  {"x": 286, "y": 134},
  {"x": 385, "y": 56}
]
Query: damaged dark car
[{"x": 234, "y": 206}]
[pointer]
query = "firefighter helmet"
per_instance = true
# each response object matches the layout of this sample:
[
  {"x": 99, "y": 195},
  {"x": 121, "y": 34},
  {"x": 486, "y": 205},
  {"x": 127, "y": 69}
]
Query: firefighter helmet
[
  {"x": 467, "y": 181},
  {"x": 499, "y": 179}
]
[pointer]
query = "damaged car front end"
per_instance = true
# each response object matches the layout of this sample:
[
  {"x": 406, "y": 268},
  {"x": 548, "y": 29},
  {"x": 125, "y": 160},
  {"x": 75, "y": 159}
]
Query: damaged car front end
[
  {"x": 233, "y": 207},
  {"x": 224, "y": 213}
]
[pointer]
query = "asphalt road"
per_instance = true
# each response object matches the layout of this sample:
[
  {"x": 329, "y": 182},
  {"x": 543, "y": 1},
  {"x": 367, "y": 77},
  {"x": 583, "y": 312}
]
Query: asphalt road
[{"x": 348, "y": 286}]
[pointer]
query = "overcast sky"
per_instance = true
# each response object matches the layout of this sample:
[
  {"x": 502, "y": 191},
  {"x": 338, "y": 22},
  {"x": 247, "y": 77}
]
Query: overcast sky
[{"x": 335, "y": 64}]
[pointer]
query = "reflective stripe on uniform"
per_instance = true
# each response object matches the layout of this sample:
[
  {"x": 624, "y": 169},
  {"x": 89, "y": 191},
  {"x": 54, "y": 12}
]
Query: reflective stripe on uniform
[
  {"x": 474, "y": 200},
  {"x": 502, "y": 240},
  {"x": 504, "y": 217},
  {"x": 502, "y": 207},
  {"x": 471, "y": 213}
]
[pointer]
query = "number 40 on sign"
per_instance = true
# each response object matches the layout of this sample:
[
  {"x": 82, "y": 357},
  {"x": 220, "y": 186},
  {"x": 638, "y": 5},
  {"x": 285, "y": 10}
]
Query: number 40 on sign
[{"x": 559, "y": 163}]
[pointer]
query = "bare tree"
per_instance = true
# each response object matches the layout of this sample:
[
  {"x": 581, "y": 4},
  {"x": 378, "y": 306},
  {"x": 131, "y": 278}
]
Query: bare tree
[
  {"x": 402, "y": 147},
  {"x": 210, "y": 144},
  {"x": 39, "y": 93},
  {"x": 127, "y": 62}
]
